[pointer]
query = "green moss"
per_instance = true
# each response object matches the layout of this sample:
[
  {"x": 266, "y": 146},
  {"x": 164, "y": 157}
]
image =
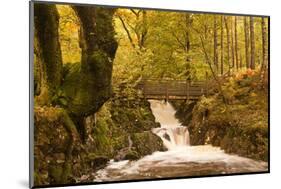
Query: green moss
[
  {"x": 97, "y": 161},
  {"x": 240, "y": 127},
  {"x": 146, "y": 143},
  {"x": 55, "y": 173},
  {"x": 132, "y": 155},
  {"x": 101, "y": 137}
]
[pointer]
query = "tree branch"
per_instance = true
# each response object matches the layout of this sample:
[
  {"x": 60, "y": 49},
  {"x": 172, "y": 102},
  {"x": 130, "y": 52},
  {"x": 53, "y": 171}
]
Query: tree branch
[
  {"x": 127, "y": 31},
  {"x": 135, "y": 13},
  {"x": 178, "y": 40}
]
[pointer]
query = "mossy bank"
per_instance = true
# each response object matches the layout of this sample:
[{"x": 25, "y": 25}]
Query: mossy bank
[
  {"x": 239, "y": 126},
  {"x": 120, "y": 130}
]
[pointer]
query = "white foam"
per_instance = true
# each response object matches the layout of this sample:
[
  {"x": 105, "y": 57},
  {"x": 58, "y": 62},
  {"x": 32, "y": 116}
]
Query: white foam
[{"x": 180, "y": 154}]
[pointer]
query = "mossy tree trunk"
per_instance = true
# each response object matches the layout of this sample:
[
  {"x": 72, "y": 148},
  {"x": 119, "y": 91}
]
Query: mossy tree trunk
[
  {"x": 48, "y": 53},
  {"x": 86, "y": 87},
  {"x": 89, "y": 86},
  {"x": 79, "y": 89}
]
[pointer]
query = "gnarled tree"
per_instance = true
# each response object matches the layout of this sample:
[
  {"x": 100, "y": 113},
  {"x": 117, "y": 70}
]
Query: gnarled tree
[
  {"x": 73, "y": 91},
  {"x": 93, "y": 82}
]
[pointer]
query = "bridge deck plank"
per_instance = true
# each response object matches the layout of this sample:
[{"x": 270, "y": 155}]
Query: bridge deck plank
[{"x": 173, "y": 89}]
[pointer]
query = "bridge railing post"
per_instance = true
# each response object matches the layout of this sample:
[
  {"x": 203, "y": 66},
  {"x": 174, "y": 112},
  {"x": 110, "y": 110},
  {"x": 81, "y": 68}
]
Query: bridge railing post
[
  {"x": 187, "y": 88},
  {"x": 206, "y": 84},
  {"x": 167, "y": 94},
  {"x": 144, "y": 88}
]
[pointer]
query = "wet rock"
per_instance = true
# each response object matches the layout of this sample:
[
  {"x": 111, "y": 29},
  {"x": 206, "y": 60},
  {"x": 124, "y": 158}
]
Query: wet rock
[
  {"x": 146, "y": 143},
  {"x": 126, "y": 154},
  {"x": 166, "y": 136},
  {"x": 97, "y": 161},
  {"x": 132, "y": 155}
]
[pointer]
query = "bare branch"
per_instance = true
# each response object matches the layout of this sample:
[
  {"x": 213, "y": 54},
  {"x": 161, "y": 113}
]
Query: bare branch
[
  {"x": 127, "y": 31},
  {"x": 136, "y": 13},
  {"x": 178, "y": 40}
]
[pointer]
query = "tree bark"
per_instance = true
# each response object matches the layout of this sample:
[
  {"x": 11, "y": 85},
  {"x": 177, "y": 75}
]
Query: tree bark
[
  {"x": 144, "y": 30},
  {"x": 236, "y": 43},
  {"x": 222, "y": 57},
  {"x": 187, "y": 46},
  {"x": 232, "y": 45},
  {"x": 246, "y": 33},
  {"x": 252, "y": 37},
  {"x": 228, "y": 41},
  {"x": 215, "y": 44},
  {"x": 47, "y": 51},
  {"x": 264, "y": 41},
  {"x": 98, "y": 45}
]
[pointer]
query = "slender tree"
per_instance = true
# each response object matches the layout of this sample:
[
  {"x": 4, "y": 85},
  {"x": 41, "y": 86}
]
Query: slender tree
[
  {"x": 136, "y": 32},
  {"x": 222, "y": 57},
  {"x": 215, "y": 44},
  {"x": 228, "y": 41},
  {"x": 252, "y": 38},
  {"x": 236, "y": 43},
  {"x": 232, "y": 44},
  {"x": 264, "y": 41},
  {"x": 246, "y": 33},
  {"x": 186, "y": 44}
]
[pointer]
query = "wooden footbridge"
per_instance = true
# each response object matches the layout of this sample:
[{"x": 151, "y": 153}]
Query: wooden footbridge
[{"x": 173, "y": 89}]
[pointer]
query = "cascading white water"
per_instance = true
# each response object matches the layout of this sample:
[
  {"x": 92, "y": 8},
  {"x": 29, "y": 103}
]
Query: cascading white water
[
  {"x": 181, "y": 159},
  {"x": 171, "y": 132}
]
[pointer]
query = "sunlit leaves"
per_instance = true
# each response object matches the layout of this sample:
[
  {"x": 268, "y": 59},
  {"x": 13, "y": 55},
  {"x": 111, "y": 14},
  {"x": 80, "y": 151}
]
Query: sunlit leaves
[{"x": 69, "y": 34}]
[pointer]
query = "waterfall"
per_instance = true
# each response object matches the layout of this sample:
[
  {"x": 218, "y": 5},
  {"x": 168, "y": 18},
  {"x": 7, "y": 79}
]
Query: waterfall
[
  {"x": 181, "y": 159},
  {"x": 171, "y": 131}
]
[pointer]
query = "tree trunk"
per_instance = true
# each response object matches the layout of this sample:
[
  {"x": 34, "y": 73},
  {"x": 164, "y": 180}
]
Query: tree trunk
[
  {"x": 236, "y": 44},
  {"x": 232, "y": 45},
  {"x": 98, "y": 45},
  {"x": 47, "y": 51},
  {"x": 228, "y": 41},
  {"x": 222, "y": 46},
  {"x": 246, "y": 33},
  {"x": 144, "y": 30},
  {"x": 187, "y": 46},
  {"x": 252, "y": 37},
  {"x": 264, "y": 40},
  {"x": 215, "y": 44}
]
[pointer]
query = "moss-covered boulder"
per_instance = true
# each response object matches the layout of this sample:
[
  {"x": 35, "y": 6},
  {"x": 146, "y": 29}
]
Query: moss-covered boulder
[
  {"x": 146, "y": 143},
  {"x": 97, "y": 161},
  {"x": 132, "y": 155},
  {"x": 122, "y": 120}
]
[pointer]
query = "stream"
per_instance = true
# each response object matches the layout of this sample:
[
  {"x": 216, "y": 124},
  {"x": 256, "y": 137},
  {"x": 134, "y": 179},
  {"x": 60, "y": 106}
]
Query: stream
[{"x": 181, "y": 159}]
